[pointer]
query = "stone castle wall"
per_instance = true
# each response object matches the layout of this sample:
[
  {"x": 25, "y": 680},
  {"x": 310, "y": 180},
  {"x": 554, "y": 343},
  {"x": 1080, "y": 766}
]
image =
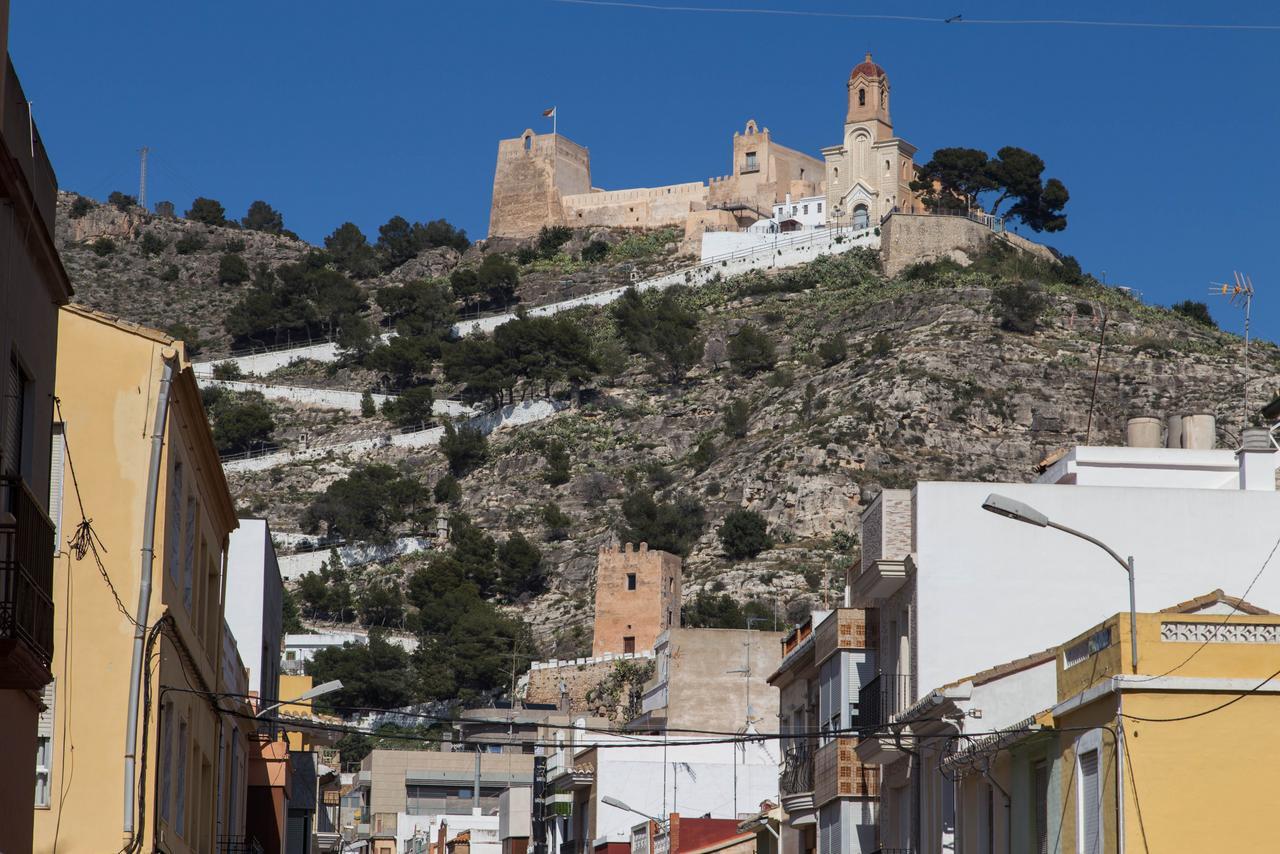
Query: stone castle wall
[
  {"x": 533, "y": 174},
  {"x": 920, "y": 238}
]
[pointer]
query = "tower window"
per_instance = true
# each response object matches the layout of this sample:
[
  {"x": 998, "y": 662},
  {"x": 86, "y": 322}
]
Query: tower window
[
  {"x": 862, "y": 97},
  {"x": 629, "y": 645},
  {"x": 528, "y": 143},
  {"x": 751, "y": 164},
  {"x": 631, "y": 581}
]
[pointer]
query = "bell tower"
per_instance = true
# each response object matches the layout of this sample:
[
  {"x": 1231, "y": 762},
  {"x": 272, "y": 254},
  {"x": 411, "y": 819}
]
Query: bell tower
[{"x": 869, "y": 99}]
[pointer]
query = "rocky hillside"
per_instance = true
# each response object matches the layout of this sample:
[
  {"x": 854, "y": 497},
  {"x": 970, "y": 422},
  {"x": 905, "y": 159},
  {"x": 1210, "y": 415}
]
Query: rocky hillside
[{"x": 865, "y": 383}]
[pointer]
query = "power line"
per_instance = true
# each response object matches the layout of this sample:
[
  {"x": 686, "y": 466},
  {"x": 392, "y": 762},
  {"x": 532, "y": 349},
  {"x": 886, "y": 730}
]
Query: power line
[
  {"x": 921, "y": 19},
  {"x": 1239, "y": 696}
]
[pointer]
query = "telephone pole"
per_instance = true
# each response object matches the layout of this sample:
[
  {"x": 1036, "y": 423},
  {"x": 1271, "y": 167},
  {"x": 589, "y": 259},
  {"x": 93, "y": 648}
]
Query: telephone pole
[{"x": 142, "y": 178}]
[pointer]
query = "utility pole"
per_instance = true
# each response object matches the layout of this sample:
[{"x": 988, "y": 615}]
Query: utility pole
[{"x": 142, "y": 177}]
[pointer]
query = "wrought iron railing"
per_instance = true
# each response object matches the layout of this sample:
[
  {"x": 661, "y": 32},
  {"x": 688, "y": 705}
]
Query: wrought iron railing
[
  {"x": 797, "y": 768},
  {"x": 26, "y": 569},
  {"x": 245, "y": 844},
  {"x": 882, "y": 698}
]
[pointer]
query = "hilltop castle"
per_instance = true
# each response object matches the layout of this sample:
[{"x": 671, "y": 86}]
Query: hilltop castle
[{"x": 545, "y": 179}]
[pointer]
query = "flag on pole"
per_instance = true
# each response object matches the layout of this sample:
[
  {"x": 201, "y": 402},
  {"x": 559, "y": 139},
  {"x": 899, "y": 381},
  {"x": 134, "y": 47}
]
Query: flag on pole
[{"x": 551, "y": 114}]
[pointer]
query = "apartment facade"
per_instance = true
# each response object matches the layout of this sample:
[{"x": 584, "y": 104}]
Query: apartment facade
[
  {"x": 33, "y": 284},
  {"x": 255, "y": 594},
  {"x": 147, "y": 474},
  {"x": 828, "y": 796}
]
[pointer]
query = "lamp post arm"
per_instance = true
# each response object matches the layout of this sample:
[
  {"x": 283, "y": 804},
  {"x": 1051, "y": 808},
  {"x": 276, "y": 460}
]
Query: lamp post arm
[{"x": 1106, "y": 548}]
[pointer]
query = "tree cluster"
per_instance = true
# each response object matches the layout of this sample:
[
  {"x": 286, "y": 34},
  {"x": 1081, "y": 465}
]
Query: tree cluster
[
  {"x": 400, "y": 240},
  {"x": 664, "y": 331},
  {"x": 371, "y": 503},
  {"x": 241, "y": 421},
  {"x": 958, "y": 178},
  {"x": 539, "y": 353},
  {"x": 306, "y": 299},
  {"x": 492, "y": 284},
  {"x": 672, "y": 526}
]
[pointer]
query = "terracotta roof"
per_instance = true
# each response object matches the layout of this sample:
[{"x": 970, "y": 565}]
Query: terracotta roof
[
  {"x": 866, "y": 68},
  {"x": 1213, "y": 597},
  {"x": 1018, "y": 664}
]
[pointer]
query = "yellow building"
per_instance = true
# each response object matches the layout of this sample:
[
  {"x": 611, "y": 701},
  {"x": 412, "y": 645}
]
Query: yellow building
[
  {"x": 1174, "y": 757},
  {"x": 142, "y": 761}
]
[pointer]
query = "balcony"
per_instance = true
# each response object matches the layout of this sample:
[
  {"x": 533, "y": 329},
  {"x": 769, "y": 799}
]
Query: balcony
[
  {"x": 846, "y": 628},
  {"x": 796, "y": 781},
  {"x": 880, "y": 699},
  {"x": 22, "y": 139},
  {"x": 839, "y": 774},
  {"x": 239, "y": 845},
  {"x": 26, "y": 588}
]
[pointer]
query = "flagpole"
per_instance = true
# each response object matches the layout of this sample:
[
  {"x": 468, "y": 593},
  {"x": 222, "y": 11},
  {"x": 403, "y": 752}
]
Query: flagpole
[{"x": 555, "y": 114}]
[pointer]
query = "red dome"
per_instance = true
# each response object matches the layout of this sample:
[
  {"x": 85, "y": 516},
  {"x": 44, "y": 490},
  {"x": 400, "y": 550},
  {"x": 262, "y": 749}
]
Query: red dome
[{"x": 867, "y": 68}]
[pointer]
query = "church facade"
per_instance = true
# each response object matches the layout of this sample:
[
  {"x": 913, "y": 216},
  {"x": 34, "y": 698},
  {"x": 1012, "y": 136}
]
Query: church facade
[{"x": 545, "y": 179}]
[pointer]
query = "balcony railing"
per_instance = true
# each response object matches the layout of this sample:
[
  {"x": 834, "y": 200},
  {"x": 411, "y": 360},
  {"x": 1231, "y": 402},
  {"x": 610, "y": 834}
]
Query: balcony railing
[
  {"x": 882, "y": 698},
  {"x": 239, "y": 845},
  {"x": 26, "y": 584},
  {"x": 797, "y": 768}
]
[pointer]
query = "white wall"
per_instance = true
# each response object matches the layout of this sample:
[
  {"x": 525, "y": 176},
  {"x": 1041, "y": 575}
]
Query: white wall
[
  {"x": 701, "y": 781},
  {"x": 990, "y": 590},
  {"x": 253, "y": 603},
  {"x": 295, "y": 566}
]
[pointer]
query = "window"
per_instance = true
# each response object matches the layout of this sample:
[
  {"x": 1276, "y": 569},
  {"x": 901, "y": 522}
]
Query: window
[
  {"x": 290, "y": 655},
  {"x": 181, "y": 823},
  {"x": 57, "y": 448},
  {"x": 166, "y": 759},
  {"x": 44, "y": 758},
  {"x": 15, "y": 456},
  {"x": 806, "y": 209},
  {"x": 668, "y": 617},
  {"x": 862, "y": 97},
  {"x": 528, "y": 142},
  {"x": 1040, "y": 781},
  {"x": 1089, "y": 840},
  {"x": 819, "y": 207},
  {"x": 629, "y": 644},
  {"x": 631, "y": 581},
  {"x": 793, "y": 210},
  {"x": 173, "y": 531},
  {"x": 189, "y": 552},
  {"x": 751, "y": 164},
  {"x": 887, "y": 167}
]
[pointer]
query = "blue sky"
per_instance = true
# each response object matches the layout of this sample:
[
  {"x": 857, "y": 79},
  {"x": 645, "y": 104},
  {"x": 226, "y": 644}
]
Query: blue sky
[{"x": 341, "y": 111}]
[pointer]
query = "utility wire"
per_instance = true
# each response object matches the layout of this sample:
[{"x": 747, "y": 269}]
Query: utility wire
[
  {"x": 921, "y": 19},
  {"x": 1239, "y": 696},
  {"x": 85, "y": 540}
]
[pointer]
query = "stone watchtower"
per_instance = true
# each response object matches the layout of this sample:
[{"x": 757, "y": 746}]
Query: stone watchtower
[
  {"x": 533, "y": 172},
  {"x": 637, "y": 598}
]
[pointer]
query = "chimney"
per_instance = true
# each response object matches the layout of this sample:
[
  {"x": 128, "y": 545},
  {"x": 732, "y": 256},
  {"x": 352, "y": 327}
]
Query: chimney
[
  {"x": 1142, "y": 432},
  {"x": 1257, "y": 459}
]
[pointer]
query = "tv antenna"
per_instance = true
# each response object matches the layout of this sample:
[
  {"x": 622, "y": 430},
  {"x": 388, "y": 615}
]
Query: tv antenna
[{"x": 1240, "y": 292}]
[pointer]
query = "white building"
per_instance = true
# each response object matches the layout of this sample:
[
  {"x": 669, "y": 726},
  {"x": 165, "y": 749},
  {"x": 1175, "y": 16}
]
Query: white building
[
  {"x": 253, "y": 604},
  {"x": 720, "y": 780},
  {"x": 301, "y": 648},
  {"x": 799, "y": 214},
  {"x": 959, "y": 589}
]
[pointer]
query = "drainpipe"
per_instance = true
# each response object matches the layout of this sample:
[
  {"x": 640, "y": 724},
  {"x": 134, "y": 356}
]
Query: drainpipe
[
  {"x": 144, "y": 585},
  {"x": 1119, "y": 742}
]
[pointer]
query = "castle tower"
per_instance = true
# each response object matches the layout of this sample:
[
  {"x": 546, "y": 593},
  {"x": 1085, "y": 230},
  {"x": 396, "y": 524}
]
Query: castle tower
[
  {"x": 637, "y": 598},
  {"x": 534, "y": 172}
]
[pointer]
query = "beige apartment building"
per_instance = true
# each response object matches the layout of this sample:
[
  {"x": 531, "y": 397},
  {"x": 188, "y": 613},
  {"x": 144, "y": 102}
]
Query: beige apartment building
[
  {"x": 152, "y": 760},
  {"x": 33, "y": 284}
]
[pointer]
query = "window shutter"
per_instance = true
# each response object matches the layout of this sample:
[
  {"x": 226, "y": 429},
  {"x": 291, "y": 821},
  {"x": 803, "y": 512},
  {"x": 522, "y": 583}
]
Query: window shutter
[
  {"x": 1041, "y": 773},
  {"x": 44, "y": 725},
  {"x": 57, "y": 454},
  {"x": 1090, "y": 841}
]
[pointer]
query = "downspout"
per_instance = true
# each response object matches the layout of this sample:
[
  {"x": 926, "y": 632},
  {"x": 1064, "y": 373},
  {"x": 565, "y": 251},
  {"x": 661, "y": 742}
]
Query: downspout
[
  {"x": 1119, "y": 741},
  {"x": 144, "y": 586}
]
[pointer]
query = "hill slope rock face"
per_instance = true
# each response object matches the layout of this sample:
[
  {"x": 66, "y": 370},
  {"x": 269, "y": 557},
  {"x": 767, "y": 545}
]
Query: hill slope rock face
[{"x": 877, "y": 382}]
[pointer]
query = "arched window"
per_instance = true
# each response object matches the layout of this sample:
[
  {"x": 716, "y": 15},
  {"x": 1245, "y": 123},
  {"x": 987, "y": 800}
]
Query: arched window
[
  {"x": 862, "y": 97},
  {"x": 887, "y": 167},
  {"x": 861, "y": 217},
  {"x": 835, "y": 173},
  {"x": 528, "y": 142}
]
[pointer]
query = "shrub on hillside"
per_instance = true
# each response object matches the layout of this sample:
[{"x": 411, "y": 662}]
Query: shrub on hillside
[
  {"x": 447, "y": 490},
  {"x": 751, "y": 351},
  {"x": 1196, "y": 311},
  {"x": 122, "y": 202},
  {"x": 1019, "y": 306},
  {"x": 152, "y": 244},
  {"x": 711, "y": 611},
  {"x": 368, "y": 408},
  {"x": 103, "y": 246},
  {"x": 595, "y": 251},
  {"x": 262, "y": 217},
  {"x": 411, "y": 408},
  {"x": 242, "y": 421},
  {"x": 744, "y": 534},
  {"x": 189, "y": 243},
  {"x": 881, "y": 346},
  {"x": 556, "y": 521},
  {"x": 170, "y": 273},
  {"x": 672, "y": 526},
  {"x": 520, "y": 567},
  {"x": 551, "y": 238},
  {"x": 232, "y": 270},
  {"x": 80, "y": 207},
  {"x": 832, "y": 351},
  {"x": 557, "y": 471},
  {"x": 465, "y": 448},
  {"x": 369, "y": 504},
  {"x": 736, "y": 417}
]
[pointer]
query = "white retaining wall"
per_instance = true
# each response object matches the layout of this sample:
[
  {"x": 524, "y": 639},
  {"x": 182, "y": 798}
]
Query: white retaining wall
[
  {"x": 297, "y": 565},
  {"x": 329, "y": 398},
  {"x": 520, "y": 413},
  {"x": 793, "y": 251}
]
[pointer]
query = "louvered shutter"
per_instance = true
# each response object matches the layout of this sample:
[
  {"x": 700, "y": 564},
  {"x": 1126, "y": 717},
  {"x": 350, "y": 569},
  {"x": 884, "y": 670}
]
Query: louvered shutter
[
  {"x": 57, "y": 455},
  {"x": 1090, "y": 833},
  {"x": 1042, "y": 807},
  {"x": 11, "y": 428}
]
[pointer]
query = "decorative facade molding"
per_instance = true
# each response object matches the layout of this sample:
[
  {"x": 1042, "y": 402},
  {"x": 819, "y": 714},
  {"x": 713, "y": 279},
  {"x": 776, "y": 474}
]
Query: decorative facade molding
[{"x": 1220, "y": 632}]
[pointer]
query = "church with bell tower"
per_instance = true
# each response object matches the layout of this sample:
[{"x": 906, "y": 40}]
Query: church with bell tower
[{"x": 868, "y": 174}]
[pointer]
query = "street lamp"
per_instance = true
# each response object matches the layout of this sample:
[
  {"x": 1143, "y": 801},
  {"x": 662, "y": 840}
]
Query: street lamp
[
  {"x": 326, "y": 688},
  {"x": 1002, "y": 505},
  {"x": 614, "y": 802}
]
